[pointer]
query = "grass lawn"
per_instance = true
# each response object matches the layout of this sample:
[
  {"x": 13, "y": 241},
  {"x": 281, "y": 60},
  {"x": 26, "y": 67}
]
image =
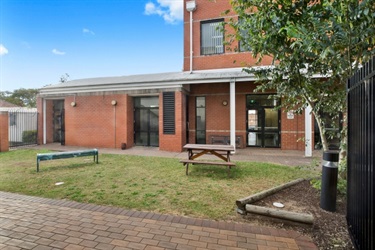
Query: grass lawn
[{"x": 142, "y": 183}]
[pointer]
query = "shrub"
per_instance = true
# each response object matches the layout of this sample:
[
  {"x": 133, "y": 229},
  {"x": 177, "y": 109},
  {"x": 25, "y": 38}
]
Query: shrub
[{"x": 29, "y": 136}]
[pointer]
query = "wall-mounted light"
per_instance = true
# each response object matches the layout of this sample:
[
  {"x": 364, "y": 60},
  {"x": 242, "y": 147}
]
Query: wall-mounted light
[
  {"x": 73, "y": 104},
  {"x": 191, "y": 6},
  {"x": 114, "y": 102},
  {"x": 225, "y": 103}
]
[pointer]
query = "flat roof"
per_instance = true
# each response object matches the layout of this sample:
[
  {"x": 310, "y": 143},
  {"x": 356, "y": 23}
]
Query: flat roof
[{"x": 146, "y": 81}]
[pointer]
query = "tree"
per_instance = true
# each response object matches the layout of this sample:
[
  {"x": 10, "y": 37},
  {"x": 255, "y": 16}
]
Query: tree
[
  {"x": 306, "y": 39},
  {"x": 21, "y": 97}
]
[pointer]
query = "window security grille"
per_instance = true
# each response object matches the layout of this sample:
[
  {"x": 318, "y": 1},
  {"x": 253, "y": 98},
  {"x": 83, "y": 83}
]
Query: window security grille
[
  {"x": 212, "y": 38},
  {"x": 169, "y": 126}
]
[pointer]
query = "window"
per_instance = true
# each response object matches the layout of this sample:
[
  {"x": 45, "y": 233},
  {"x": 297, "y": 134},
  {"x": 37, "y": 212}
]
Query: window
[
  {"x": 212, "y": 37},
  {"x": 243, "y": 47},
  {"x": 200, "y": 103}
]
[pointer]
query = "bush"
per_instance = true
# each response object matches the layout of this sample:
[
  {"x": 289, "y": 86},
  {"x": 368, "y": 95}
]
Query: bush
[
  {"x": 341, "y": 185},
  {"x": 29, "y": 136}
]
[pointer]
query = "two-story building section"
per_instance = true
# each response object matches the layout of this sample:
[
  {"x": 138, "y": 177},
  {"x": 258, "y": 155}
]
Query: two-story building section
[{"x": 211, "y": 101}]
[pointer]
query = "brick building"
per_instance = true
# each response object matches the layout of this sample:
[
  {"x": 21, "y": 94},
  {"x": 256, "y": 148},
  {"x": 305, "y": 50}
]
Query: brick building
[{"x": 211, "y": 101}]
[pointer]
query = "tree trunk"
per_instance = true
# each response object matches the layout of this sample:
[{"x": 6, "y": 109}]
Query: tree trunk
[{"x": 321, "y": 130}]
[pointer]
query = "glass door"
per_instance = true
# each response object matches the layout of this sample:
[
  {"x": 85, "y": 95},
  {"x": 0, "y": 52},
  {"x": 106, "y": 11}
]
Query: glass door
[
  {"x": 58, "y": 121},
  {"x": 146, "y": 122},
  {"x": 254, "y": 127},
  {"x": 263, "y": 122},
  {"x": 271, "y": 128}
]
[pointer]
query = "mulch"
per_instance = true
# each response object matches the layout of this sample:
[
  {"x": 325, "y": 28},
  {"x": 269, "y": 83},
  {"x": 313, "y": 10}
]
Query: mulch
[{"x": 329, "y": 230}]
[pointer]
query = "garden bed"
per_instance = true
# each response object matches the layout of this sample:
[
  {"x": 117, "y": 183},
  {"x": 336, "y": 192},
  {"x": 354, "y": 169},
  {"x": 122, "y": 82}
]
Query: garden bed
[{"x": 328, "y": 231}]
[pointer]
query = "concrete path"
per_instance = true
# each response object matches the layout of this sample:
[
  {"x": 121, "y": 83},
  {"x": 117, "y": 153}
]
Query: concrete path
[{"x": 38, "y": 223}]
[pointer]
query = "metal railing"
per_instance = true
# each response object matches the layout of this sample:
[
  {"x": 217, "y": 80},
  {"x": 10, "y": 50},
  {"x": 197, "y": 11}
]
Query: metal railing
[
  {"x": 23, "y": 127},
  {"x": 361, "y": 141}
]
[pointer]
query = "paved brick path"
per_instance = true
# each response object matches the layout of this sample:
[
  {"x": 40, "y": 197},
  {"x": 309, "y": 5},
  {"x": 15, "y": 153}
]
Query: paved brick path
[{"x": 38, "y": 223}]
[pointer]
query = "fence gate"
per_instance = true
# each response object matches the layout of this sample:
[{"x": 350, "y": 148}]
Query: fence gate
[
  {"x": 361, "y": 140},
  {"x": 23, "y": 127}
]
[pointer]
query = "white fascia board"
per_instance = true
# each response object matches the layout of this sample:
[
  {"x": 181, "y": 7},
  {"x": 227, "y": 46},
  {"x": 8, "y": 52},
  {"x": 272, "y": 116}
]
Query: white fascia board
[
  {"x": 19, "y": 109},
  {"x": 179, "y": 83},
  {"x": 100, "y": 88},
  {"x": 133, "y": 87}
]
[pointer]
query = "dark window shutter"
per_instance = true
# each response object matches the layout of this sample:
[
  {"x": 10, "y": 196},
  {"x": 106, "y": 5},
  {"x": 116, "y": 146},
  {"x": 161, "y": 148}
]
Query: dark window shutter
[{"x": 169, "y": 125}]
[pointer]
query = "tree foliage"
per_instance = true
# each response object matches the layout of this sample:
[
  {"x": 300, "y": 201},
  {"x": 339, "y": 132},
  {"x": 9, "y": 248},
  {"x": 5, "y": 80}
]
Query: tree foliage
[
  {"x": 315, "y": 47},
  {"x": 21, "y": 97}
]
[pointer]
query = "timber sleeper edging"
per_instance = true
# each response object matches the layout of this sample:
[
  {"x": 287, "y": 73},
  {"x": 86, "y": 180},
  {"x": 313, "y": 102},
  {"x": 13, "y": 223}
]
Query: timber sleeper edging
[{"x": 244, "y": 205}]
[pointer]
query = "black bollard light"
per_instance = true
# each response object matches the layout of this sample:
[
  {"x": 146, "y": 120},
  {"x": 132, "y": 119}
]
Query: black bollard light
[{"x": 329, "y": 180}]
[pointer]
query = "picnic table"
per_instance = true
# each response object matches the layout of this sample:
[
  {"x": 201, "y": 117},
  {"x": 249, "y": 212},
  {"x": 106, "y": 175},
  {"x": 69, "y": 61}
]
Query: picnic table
[{"x": 197, "y": 150}]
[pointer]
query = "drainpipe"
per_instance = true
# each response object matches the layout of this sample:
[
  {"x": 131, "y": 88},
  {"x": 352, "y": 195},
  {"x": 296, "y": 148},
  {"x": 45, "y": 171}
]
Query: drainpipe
[
  {"x": 232, "y": 95},
  {"x": 191, "y": 7},
  {"x": 44, "y": 122}
]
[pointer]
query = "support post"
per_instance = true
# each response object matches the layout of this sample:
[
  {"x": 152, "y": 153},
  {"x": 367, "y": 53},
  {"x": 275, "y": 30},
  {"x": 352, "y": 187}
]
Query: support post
[
  {"x": 233, "y": 113},
  {"x": 44, "y": 121},
  {"x": 308, "y": 132}
]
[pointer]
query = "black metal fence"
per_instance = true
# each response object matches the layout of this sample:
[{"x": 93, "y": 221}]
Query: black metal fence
[
  {"x": 361, "y": 151},
  {"x": 23, "y": 127}
]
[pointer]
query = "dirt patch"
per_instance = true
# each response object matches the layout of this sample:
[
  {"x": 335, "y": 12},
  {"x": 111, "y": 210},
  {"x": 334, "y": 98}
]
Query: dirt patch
[{"x": 329, "y": 230}]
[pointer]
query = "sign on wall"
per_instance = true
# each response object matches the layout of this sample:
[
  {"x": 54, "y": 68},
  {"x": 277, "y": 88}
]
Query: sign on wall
[{"x": 290, "y": 115}]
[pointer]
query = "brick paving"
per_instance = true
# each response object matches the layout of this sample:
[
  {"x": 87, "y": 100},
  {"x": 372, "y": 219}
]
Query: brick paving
[{"x": 28, "y": 222}]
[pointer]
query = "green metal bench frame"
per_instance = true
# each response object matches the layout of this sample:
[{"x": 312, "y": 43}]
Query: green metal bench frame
[{"x": 64, "y": 155}]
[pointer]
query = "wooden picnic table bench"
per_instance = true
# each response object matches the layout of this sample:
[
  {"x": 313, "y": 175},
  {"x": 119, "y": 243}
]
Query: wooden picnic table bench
[
  {"x": 197, "y": 150},
  {"x": 64, "y": 155}
]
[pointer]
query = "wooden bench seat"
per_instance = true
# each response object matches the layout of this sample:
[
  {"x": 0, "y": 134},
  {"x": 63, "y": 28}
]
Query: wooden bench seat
[
  {"x": 221, "y": 163},
  {"x": 64, "y": 155}
]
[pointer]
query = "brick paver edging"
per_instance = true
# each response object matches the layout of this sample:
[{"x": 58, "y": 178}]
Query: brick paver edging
[{"x": 303, "y": 242}]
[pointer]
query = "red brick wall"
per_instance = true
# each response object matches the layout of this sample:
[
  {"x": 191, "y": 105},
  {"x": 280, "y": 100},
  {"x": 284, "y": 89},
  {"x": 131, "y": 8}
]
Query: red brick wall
[
  {"x": 293, "y": 132},
  {"x": 218, "y": 116},
  {"x": 178, "y": 140},
  {"x": 4, "y": 131},
  {"x": 95, "y": 122},
  {"x": 209, "y": 10}
]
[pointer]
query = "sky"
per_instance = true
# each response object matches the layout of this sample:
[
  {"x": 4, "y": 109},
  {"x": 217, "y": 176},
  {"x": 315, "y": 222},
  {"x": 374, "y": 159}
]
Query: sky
[{"x": 43, "y": 40}]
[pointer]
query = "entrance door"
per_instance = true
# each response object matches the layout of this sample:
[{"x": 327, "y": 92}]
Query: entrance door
[
  {"x": 263, "y": 127},
  {"x": 59, "y": 121},
  {"x": 262, "y": 121},
  {"x": 146, "y": 122}
]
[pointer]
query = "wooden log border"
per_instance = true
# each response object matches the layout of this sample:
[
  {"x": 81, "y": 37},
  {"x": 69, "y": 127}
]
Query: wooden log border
[
  {"x": 286, "y": 215},
  {"x": 243, "y": 205},
  {"x": 255, "y": 197}
]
